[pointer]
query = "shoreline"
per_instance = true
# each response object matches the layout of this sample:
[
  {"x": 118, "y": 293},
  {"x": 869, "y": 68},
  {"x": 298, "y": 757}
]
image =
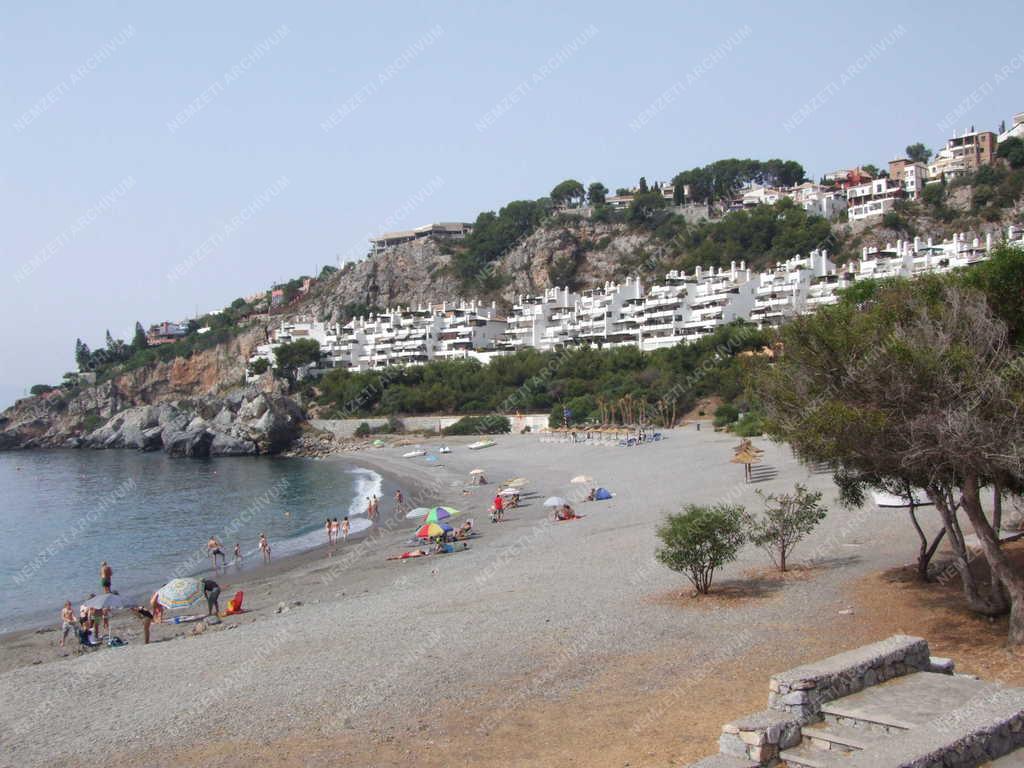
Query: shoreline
[{"x": 31, "y": 638}]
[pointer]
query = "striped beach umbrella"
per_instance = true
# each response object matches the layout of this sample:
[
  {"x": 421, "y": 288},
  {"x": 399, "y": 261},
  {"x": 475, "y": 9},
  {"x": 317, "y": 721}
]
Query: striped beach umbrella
[
  {"x": 419, "y": 512},
  {"x": 437, "y": 514},
  {"x": 180, "y": 593},
  {"x": 432, "y": 530}
]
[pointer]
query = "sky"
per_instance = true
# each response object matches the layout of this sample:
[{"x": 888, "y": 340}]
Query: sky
[{"x": 159, "y": 161}]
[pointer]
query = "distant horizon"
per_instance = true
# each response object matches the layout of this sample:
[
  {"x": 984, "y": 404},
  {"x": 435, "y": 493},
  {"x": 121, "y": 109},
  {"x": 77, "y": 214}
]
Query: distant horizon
[{"x": 160, "y": 168}]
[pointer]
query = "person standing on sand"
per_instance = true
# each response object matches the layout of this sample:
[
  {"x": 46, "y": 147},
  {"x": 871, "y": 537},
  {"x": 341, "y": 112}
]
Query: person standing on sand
[
  {"x": 147, "y": 620},
  {"x": 344, "y": 529},
  {"x": 67, "y": 621},
  {"x": 106, "y": 573},
  {"x": 329, "y": 529},
  {"x": 212, "y": 591},
  {"x": 398, "y": 501},
  {"x": 265, "y": 548},
  {"x": 238, "y": 554},
  {"x": 376, "y": 507}
]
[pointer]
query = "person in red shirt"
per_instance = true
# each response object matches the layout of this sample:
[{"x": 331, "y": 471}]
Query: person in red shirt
[{"x": 499, "y": 508}]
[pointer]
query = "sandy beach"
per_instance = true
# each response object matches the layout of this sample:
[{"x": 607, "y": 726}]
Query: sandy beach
[{"x": 543, "y": 644}]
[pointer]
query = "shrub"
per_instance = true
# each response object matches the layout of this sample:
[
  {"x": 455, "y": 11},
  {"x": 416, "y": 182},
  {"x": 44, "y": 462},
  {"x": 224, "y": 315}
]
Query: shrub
[
  {"x": 259, "y": 367},
  {"x": 92, "y": 421},
  {"x": 787, "y": 519},
  {"x": 701, "y": 540},
  {"x": 480, "y": 425},
  {"x": 394, "y": 425},
  {"x": 40, "y": 389},
  {"x": 726, "y": 414},
  {"x": 363, "y": 430},
  {"x": 751, "y": 425}
]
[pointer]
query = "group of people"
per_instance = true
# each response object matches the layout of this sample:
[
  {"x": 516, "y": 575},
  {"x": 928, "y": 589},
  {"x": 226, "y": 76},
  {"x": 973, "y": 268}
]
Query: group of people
[
  {"x": 372, "y": 507},
  {"x": 333, "y": 528},
  {"x": 216, "y": 549}
]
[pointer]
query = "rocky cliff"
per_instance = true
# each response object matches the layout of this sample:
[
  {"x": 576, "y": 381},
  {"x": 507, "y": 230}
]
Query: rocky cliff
[{"x": 52, "y": 419}]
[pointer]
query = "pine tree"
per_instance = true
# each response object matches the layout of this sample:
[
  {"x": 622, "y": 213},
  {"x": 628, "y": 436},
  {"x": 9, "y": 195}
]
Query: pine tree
[
  {"x": 81, "y": 354},
  {"x": 139, "y": 341}
]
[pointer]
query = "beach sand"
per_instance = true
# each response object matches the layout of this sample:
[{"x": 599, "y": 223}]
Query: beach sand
[{"x": 543, "y": 644}]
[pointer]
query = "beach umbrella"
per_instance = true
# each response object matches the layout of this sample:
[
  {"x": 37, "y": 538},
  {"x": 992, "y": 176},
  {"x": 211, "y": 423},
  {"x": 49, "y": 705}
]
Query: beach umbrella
[
  {"x": 418, "y": 512},
  {"x": 180, "y": 593},
  {"x": 582, "y": 479},
  {"x": 432, "y": 530},
  {"x": 476, "y": 471},
  {"x": 437, "y": 514},
  {"x": 106, "y": 600},
  {"x": 746, "y": 456},
  {"x": 556, "y": 501}
]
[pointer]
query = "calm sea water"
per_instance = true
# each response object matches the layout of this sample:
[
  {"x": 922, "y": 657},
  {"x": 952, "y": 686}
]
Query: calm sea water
[{"x": 150, "y": 516}]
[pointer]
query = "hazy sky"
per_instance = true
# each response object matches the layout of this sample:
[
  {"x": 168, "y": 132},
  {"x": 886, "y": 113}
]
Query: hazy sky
[{"x": 161, "y": 160}]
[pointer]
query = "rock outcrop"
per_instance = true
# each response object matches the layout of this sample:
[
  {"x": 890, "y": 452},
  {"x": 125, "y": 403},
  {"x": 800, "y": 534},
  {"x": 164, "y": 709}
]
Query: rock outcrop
[{"x": 244, "y": 424}]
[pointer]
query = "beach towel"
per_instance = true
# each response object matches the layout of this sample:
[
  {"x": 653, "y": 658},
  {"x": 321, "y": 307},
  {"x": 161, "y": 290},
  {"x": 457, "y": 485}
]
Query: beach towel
[
  {"x": 235, "y": 604},
  {"x": 601, "y": 494},
  {"x": 570, "y": 519}
]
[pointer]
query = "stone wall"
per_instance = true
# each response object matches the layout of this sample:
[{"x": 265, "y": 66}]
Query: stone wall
[{"x": 802, "y": 691}]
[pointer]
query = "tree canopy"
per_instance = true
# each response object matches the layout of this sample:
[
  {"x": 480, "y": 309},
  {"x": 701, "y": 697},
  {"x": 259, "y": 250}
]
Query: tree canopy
[
  {"x": 918, "y": 152},
  {"x": 568, "y": 192},
  {"x": 722, "y": 179},
  {"x": 916, "y": 383}
]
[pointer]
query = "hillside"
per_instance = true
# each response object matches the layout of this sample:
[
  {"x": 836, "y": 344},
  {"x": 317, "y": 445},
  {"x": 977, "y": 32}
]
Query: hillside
[{"x": 524, "y": 248}]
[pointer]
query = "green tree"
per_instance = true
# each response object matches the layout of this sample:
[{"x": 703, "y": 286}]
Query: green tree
[
  {"x": 871, "y": 170},
  {"x": 259, "y": 366},
  {"x": 1001, "y": 279},
  {"x": 642, "y": 187},
  {"x": 1012, "y": 150},
  {"x": 40, "y": 389},
  {"x": 82, "y": 355},
  {"x": 788, "y": 518},
  {"x": 726, "y": 414},
  {"x": 139, "y": 339},
  {"x": 644, "y": 205},
  {"x": 291, "y": 356},
  {"x": 917, "y": 386},
  {"x": 569, "y": 192},
  {"x": 919, "y": 153},
  {"x": 700, "y": 541},
  {"x": 597, "y": 193}
]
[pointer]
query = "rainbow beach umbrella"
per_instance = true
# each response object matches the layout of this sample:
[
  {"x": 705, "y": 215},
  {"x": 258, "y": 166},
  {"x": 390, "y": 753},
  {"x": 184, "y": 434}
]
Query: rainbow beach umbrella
[
  {"x": 432, "y": 530},
  {"x": 180, "y": 593},
  {"x": 437, "y": 514}
]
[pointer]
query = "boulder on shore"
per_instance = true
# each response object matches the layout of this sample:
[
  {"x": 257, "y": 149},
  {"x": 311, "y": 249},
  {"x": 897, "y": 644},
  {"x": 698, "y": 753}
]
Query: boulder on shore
[{"x": 244, "y": 424}]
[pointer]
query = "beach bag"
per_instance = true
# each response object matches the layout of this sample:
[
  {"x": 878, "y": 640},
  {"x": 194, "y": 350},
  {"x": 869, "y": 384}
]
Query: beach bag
[
  {"x": 602, "y": 493},
  {"x": 235, "y": 604}
]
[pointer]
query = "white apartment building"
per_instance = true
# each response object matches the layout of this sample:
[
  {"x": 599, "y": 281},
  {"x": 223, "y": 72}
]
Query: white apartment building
[
  {"x": 782, "y": 292},
  {"x": 607, "y": 316},
  {"x": 469, "y": 329},
  {"x": 715, "y": 298},
  {"x": 873, "y": 198},
  {"x": 542, "y": 322},
  {"x": 681, "y": 308}
]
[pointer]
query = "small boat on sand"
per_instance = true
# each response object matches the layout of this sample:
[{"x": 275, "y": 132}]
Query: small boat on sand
[
  {"x": 414, "y": 454},
  {"x": 481, "y": 444}
]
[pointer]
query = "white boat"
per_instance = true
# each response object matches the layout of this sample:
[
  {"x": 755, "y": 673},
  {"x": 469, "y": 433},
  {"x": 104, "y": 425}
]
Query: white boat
[
  {"x": 883, "y": 499},
  {"x": 481, "y": 444},
  {"x": 414, "y": 454}
]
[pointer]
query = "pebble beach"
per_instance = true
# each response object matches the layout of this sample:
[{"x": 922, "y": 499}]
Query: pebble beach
[{"x": 542, "y": 644}]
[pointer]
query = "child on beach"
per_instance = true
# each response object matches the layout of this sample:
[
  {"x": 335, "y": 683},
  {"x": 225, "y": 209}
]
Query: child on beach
[
  {"x": 398, "y": 501},
  {"x": 265, "y": 548},
  {"x": 238, "y": 554}
]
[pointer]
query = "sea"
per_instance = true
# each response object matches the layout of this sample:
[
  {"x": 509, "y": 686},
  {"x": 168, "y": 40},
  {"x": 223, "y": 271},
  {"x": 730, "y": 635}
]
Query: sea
[{"x": 149, "y": 516}]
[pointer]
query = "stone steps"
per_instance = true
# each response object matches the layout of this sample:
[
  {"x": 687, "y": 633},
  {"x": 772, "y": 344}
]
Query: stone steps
[
  {"x": 806, "y": 756},
  {"x": 831, "y": 736}
]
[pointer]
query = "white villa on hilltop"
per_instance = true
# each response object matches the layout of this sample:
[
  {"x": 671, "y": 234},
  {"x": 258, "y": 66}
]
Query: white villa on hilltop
[{"x": 682, "y": 308}]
